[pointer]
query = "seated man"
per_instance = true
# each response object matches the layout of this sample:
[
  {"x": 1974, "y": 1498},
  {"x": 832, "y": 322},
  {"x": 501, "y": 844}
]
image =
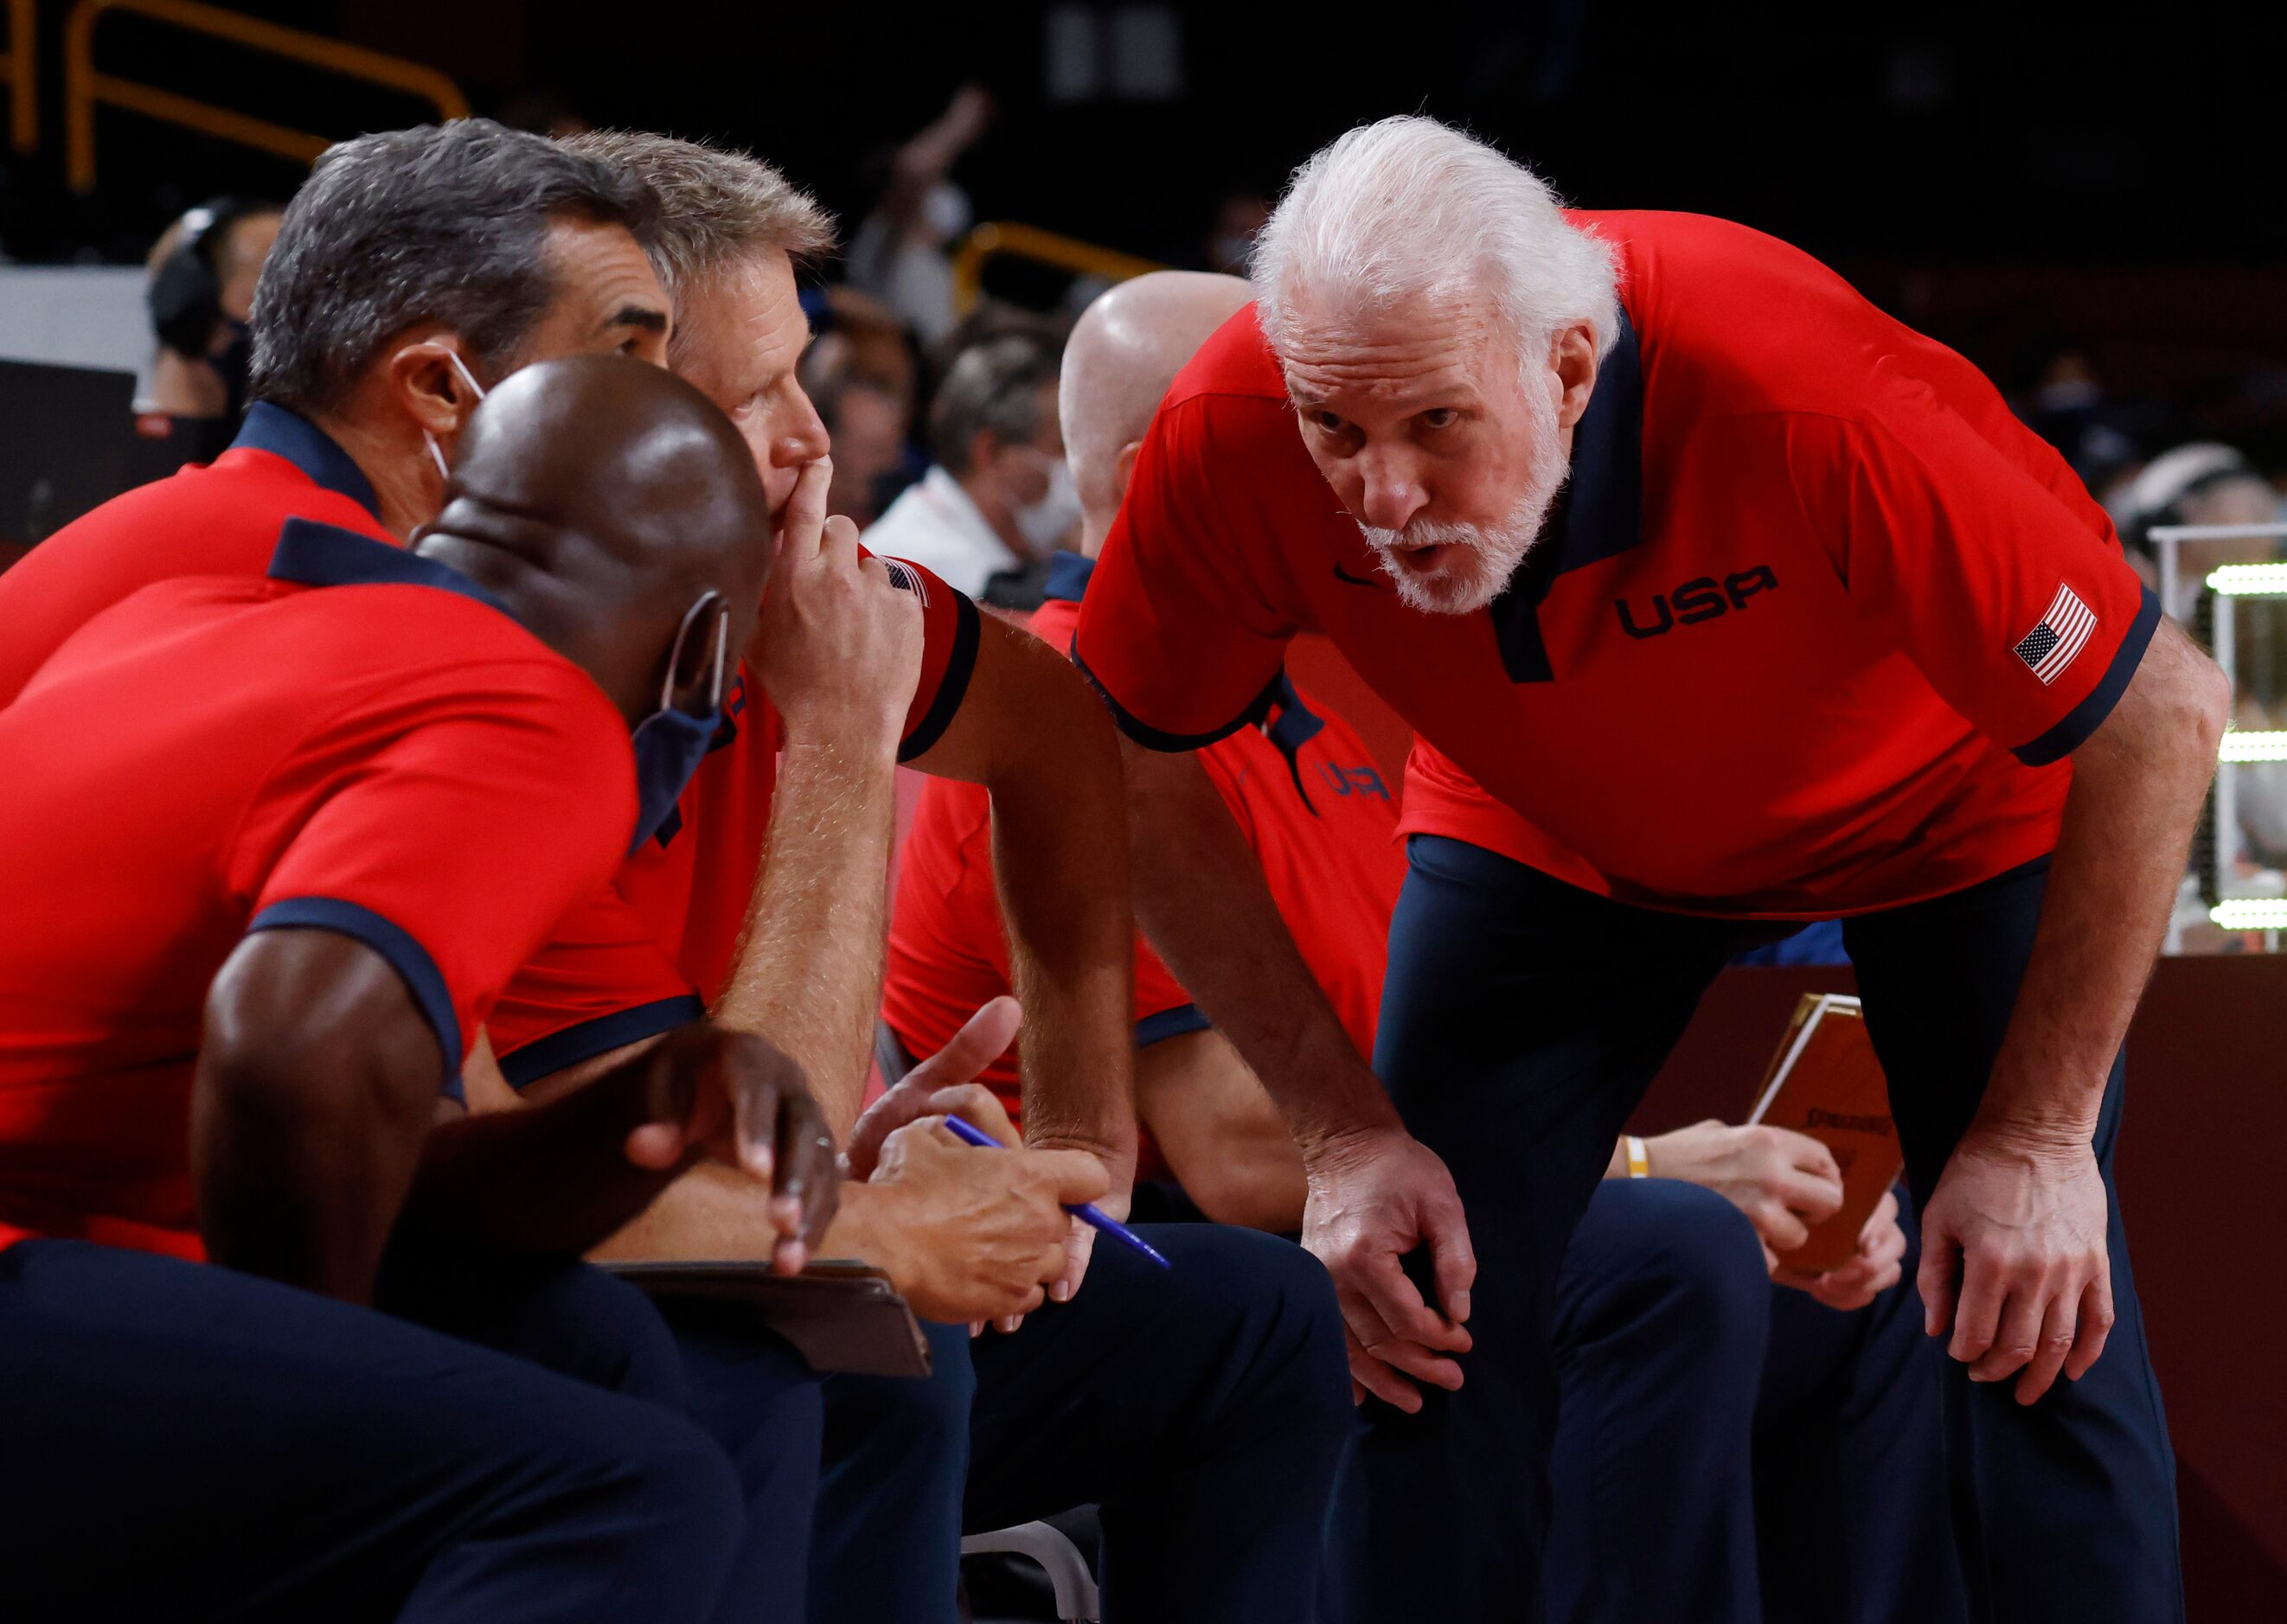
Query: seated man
[
  {"x": 252, "y": 933},
  {"x": 1203, "y": 1406},
  {"x": 1694, "y": 1395}
]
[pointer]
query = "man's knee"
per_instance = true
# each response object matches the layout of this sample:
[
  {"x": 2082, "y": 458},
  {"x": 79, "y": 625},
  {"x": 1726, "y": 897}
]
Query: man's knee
[
  {"x": 668, "y": 1475},
  {"x": 561, "y": 1314},
  {"x": 1278, "y": 1299},
  {"x": 1692, "y": 1262}
]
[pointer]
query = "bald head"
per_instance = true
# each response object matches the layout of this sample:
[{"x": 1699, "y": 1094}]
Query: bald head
[
  {"x": 1126, "y": 350},
  {"x": 599, "y": 498}
]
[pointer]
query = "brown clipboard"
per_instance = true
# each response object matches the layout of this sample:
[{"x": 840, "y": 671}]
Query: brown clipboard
[
  {"x": 1825, "y": 1081},
  {"x": 844, "y": 1317}
]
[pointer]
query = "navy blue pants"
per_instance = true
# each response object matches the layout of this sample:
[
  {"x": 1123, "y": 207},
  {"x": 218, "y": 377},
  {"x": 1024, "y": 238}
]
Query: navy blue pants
[
  {"x": 1203, "y": 1410},
  {"x": 181, "y": 1442},
  {"x": 747, "y": 1388},
  {"x": 1728, "y": 1450},
  {"x": 1522, "y": 1019}
]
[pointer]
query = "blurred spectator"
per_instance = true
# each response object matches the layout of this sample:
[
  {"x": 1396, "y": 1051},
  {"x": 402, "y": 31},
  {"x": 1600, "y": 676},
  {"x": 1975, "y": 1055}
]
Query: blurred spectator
[
  {"x": 2203, "y": 483},
  {"x": 201, "y": 295},
  {"x": 2063, "y": 398},
  {"x": 866, "y": 422},
  {"x": 1238, "y": 216},
  {"x": 2206, "y": 483},
  {"x": 899, "y": 252},
  {"x": 547, "y": 111},
  {"x": 997, "y": 500}
]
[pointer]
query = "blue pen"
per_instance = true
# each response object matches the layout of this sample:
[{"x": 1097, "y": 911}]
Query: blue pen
[{"x": 1088, "y": 1215}]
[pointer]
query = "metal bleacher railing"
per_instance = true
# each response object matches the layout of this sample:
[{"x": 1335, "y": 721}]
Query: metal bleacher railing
[
  {"x": 996, "y": 238},
  {"x": 19, "y": 74},
  {"x": 85, "y": 88}
]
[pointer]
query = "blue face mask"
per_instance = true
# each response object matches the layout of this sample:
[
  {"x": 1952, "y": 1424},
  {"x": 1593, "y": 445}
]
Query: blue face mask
[{"x": 670, "y": 742}]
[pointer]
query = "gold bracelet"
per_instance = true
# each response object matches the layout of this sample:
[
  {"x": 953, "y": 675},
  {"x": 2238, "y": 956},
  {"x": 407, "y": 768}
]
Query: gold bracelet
[{"x": 1639, "y": 1164}]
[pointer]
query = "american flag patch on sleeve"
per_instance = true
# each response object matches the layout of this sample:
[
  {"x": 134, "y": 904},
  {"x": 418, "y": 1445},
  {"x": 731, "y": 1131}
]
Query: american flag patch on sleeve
[
  {"x": 2063, "y": 633},
  {"x": 905, "y": 577}
]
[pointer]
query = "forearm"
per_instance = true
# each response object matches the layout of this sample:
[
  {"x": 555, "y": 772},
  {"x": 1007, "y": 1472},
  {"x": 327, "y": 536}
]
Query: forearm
[
  {"x": 1200, "y": 895},
  {"x": 1222, "y": 1139},
  {"x": 549, "y": 1177},
  {"x": 808, "y": 973},
  {"x": 2138, "y": 784},
  {"x": 712, "y": 1212},
  {"x": 1060, "y": 853},
  {"x": 298, "y": 1193}
]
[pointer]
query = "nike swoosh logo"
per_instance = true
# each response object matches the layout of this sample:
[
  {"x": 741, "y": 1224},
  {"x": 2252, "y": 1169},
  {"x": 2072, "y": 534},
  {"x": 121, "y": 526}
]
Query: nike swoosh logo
[{"x": 1357, "y": 580}]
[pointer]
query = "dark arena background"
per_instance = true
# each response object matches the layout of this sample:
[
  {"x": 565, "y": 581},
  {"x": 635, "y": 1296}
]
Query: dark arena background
[{"x": 2087, "y": 200}]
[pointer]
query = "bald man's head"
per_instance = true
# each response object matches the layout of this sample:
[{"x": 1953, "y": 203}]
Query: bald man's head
[
  {"x": 1126, "y": 349},
  {"x": 599, "y": 498}
]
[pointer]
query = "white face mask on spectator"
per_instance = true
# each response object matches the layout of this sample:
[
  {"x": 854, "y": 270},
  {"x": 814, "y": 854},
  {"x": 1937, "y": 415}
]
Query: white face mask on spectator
[{"x": 1049, "y": 520}]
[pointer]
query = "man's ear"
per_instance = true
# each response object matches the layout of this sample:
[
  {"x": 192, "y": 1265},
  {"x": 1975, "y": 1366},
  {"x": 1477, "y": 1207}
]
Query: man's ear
[
  {"x": 1123, "y": 467},
  {"x": 1572, "y": 357},
  {"x": 425, "y": 385}
]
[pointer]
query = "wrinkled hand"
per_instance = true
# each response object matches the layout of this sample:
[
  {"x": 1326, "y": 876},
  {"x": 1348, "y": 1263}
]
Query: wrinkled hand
[
  {"x": 983, "y": 1231},
  {"x": 1375, "y": 1196},
  {"x": 837, "y": 647},
  {"x": 1877, "y": 1267},
  {"x": 2022, "y": 1223},
  {"x": 943, "y": 1085},
  {"x": 1784, "y": 1181},
  {"x": 738, "y": 1098}
]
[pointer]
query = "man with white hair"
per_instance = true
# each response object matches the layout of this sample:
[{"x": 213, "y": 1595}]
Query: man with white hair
[{"x": 1717, "y": 600}]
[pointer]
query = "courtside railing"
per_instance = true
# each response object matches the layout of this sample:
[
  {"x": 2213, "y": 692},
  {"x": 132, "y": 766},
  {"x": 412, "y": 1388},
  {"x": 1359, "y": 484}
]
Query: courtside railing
[
  {"x": 85, "y": 88},
  {"x": 19, "y": 74},
  {"x": 996, "y": 238}
]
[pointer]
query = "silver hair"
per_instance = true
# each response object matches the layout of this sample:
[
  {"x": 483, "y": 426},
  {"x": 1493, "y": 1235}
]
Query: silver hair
[
  {"x": 1410, "y": 207},
  {"x": 447, "y": 223},
  {"x": 716, "y": 206}
]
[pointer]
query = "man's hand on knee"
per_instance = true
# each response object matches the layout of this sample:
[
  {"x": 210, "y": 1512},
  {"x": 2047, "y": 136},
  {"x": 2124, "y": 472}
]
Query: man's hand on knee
[
  {"x": 2023, "y": 1226},
  {"x": 1374, "y": 1197}
]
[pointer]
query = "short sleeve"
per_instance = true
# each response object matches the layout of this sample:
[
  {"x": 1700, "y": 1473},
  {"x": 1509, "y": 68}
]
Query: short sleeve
[
  {"x": 2015, "y": 601},
  {"x": 433, "y": 823},
  {"x": 1163, "y": 1009},
  {"x": 1173, "y": 632},
  {"x": 949, "y": 634},
  {"x": 601, "y": 982}
]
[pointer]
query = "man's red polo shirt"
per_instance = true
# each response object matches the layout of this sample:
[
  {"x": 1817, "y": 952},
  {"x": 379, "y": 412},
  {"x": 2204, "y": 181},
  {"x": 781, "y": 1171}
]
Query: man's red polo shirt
[
  {"x": 654, "y": 951},
  {"x": 1810, "y": 632},
  {"x": 636, "y": 959},
  {"x": 362, "y": 742},
  {"x": 220, "y": 519},
  {"x": 1305, "y": 792}
]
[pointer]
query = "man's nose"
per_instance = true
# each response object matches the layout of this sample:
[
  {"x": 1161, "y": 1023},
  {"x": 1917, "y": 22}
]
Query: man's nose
[
  {"x": 804, "y": 438},
  {"x": 1390, "y": 490}
]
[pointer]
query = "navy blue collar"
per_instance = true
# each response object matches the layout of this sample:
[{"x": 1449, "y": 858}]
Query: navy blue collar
[
  {"x": 317, "y": 555},
  {"x": 1598, "y": 515},
  {"x": 1068, "y": 574},
  {"x": 308, "y": 447}
]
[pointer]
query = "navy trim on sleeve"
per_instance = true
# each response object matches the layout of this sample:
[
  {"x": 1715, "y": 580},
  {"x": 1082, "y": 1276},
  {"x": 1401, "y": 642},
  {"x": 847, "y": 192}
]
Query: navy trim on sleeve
[
  {"x": 952, "y": 687},
  {"x": 316, "y": 555},
  {"x": 406, "y": 955},
  {"x": 272, "y": 428},
  {"x": 1153, "y": 738},
  {"x": 2085, "y": 718},
  {"x": 544, "y": 1056},
  {"x": 1171, "y": 1023}
]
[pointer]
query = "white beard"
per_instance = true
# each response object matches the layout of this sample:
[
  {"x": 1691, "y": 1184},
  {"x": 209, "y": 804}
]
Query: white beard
[{"x": 1486, "y": 556}]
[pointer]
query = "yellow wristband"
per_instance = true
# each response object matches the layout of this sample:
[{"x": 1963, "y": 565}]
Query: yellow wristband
[{"x": 1639, "y": 1164}]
